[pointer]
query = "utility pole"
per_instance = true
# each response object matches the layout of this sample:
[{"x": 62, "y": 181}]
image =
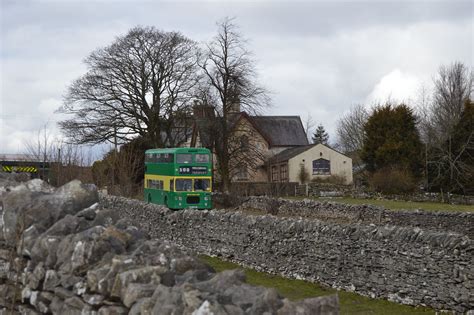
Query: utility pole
[
  {"x": 114, "y": 162},
  {"x": 58, "y": 167},
  {"x": 426, "y": 165}
]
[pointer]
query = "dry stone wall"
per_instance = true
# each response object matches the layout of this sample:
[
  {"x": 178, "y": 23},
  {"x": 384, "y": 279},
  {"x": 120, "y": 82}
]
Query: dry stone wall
[
  {"x": 61, "y": 254},
  {"x": 458, "y": 222},
  {"x": 406, "y": 264},
  {"x": 337, "y": 190}
]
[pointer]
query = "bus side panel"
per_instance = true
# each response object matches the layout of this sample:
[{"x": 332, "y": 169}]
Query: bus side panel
[
  {"x": 154, "y": 196},
  {"x": 173, "y": 203},
  {"x": 171, "y": 199}
]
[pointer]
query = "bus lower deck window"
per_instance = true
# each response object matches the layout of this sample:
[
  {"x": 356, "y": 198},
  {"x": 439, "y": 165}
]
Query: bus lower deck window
[
  {"x": 201, "y": 184},
  {"x": 184, "y": 185}
]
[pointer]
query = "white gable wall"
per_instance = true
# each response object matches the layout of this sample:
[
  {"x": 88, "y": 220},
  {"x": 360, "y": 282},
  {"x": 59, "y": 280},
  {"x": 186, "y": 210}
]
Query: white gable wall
[{"x": 341, "y": 165}]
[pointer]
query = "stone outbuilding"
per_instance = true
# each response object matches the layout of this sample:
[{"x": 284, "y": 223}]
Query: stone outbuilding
[{"x": 317, "y": 160}]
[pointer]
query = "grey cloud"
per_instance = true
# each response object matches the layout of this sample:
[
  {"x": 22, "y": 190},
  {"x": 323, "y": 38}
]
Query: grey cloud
[
  {"x": 293, "y": 17},
  {"x": 317, "y": 57}
]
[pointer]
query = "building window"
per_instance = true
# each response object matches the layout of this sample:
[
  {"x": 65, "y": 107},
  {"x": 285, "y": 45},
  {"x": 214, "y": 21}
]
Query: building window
[
  {"x": 321, "y": 167},
  {"x": 244, "y": 143},
  {"x": 274, "y": 173},
  {"x": 284, "y": 172},
  {"x": 242, "y": 172}
]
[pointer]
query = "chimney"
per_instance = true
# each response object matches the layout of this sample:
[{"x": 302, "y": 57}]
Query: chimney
[
  {"x": 235, "y": 105},
  {"x": 201, "y": 111}
]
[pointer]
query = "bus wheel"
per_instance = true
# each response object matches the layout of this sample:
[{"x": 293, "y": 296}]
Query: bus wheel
[{"x": 149, "y": 198}]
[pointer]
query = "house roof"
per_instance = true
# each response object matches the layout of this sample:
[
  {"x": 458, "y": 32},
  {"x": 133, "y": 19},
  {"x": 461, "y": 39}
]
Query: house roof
[
  {"x": 281, "y": 131},
  {"x": 287, "y": 154}
]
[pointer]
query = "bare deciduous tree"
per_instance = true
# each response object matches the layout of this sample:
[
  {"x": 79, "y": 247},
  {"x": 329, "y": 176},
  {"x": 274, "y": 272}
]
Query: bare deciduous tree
[
  {"x": 451, "y": 163},
  {"x": 60, "y": 162},
  {"x": 41, "y": 149},
  {"x": 453, "y": 86},
  {"x": 136, "y": 86},
  {"x": 229, "y": 86},
  {"x": 350, "y": 131},
  {"x": 309, "y": 126},
  {"x": 446, "y": 165}
]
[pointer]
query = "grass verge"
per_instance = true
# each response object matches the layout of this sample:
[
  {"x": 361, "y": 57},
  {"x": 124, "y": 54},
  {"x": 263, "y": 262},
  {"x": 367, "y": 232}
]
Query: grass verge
[{"x": 350, "y": 303}]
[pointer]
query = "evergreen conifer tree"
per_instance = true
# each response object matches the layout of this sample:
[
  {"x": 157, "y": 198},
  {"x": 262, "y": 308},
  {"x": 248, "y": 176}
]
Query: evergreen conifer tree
[
  {"x": 320, "y": 135},
  {"x": 392, "y": 140}
]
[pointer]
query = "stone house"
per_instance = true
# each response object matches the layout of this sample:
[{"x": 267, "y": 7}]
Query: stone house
[
  {"x": 318, "y": 161},
  {"x": 265, "y": 136}
]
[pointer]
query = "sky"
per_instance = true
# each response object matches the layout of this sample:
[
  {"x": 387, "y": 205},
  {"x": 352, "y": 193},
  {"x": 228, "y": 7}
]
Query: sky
[{"x": 317, "y": 58}]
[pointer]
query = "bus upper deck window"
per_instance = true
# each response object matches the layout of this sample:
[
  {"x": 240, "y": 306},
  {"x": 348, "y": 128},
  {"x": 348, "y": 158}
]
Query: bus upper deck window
[
  {"x": 202, "y": 158},
  {"x": 184, "y": 158}
]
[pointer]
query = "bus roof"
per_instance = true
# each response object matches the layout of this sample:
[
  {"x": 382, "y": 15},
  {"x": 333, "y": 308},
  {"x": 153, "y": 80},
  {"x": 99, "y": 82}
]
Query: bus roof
[{"x": 179, "y": 150}]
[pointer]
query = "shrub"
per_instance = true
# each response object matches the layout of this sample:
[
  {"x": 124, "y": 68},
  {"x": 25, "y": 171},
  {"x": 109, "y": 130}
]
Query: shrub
[
  {"x": 392, "y": 181},
  {"x": 333, "y": 179},
  {"x": 303, "y": 174}
]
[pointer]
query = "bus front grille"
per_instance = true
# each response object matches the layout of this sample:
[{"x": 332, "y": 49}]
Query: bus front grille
[{"x": 192, "y": 200}]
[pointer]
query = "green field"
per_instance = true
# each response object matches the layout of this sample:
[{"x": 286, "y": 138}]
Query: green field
[
  {"x": 397, "y": 204},
  {"x": 292, "y": 289}
]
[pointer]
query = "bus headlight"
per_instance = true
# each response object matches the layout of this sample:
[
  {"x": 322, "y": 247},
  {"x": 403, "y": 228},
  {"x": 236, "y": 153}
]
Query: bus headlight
[
  {"x": 180, "y": 198},
  {"x": 206, "y": 198}
]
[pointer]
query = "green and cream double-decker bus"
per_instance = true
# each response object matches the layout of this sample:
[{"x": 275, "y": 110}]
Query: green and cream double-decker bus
[{"x": 179, "y": 178}]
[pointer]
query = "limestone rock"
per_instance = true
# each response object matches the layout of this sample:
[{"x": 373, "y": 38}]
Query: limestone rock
[
  {"x": 8, "y": 294},
  {"x": 314, "y": 306},
  {"x": 136, "y": 291},
  {"x": 51, "y": 280},
  {"x": 167, "y": 301},
  {"x": 113, "y": 310},
  {"x": 77, "y": 258},
  {"x": 36, "y": 277},
  {"x": 142, "y": 307},
  {"x": 25, "y": 207},
  {"x": 146, "y": 275},
  {"x": 93, "y": 299}
]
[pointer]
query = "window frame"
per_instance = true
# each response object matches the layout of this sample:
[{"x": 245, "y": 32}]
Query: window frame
[
  {"x": 275, "y": 173},
  {"x": 320, "y": 169},
  {"x": 284, "y": 172},
  {"x": 208, "y": 188},
  {"x": 207, "y": 155},
  {"x": 186, "y": 161},
  {"x": 184, "y": 180}
]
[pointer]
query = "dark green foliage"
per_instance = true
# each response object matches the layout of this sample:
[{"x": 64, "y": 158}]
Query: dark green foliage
[
  {"x": 320, "y": 136},
  {"x": 392, "y": 140}
]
